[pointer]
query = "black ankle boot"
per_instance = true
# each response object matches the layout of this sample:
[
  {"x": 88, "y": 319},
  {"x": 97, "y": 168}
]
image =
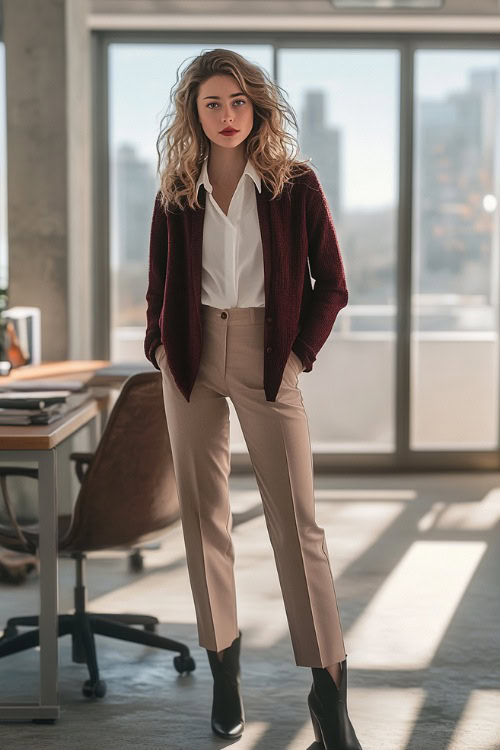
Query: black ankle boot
[
  {"x": 328, "y": 709},
  {"x": 228, "y": 718}
]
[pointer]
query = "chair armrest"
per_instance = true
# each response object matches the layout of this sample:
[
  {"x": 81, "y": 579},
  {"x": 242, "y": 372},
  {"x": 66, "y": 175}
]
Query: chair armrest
[
  {"x": 85, "y": 458},
  {"x": 81, "y": 459}
]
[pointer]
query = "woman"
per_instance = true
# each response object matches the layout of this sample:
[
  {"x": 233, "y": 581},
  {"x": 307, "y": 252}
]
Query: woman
[{"x": 232, "y": 313}]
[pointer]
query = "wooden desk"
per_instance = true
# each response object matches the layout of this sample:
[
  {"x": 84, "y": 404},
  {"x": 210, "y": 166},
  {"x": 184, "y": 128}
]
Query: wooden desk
[
  {"x": 40, "y": 443},
  {"x": 80, "y": 369}
]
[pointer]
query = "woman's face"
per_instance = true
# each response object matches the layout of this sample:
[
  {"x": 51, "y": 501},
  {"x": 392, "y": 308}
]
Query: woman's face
[{"x": 221, "y": 104}]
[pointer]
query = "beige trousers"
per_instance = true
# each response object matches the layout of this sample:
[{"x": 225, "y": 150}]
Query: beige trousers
[{"x": 277, "y": 437}]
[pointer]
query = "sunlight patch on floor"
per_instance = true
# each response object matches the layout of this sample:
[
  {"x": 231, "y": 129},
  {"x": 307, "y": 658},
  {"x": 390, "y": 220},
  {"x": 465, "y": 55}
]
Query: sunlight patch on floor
[{"x": 404, "y": 623}]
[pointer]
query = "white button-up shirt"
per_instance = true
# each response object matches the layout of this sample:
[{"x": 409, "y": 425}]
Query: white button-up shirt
[{"x": 232, "y": 255}]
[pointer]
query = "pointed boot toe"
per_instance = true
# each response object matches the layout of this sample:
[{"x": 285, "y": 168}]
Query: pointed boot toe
[{"x": 228, "y": 717}]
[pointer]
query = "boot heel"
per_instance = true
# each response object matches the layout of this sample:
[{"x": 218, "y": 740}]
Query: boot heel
[{"x": 317, "y": 731}]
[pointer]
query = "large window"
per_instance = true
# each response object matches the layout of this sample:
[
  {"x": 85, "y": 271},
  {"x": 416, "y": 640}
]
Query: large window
[
  {"x": 454, "y": 383},
  {"x": 441, "y": 216},
  {"x": 347, "y": 102},
  {"x": 140, "y": 79}
]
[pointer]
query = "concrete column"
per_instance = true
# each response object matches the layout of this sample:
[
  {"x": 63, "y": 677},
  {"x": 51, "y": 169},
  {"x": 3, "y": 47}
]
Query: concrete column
[{"x": 48, "y": 71}]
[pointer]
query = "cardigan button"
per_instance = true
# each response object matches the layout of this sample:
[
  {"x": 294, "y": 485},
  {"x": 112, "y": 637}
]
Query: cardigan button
[
  {"x": 269, "y": 320},
  {"x": 269, "y": 349}
]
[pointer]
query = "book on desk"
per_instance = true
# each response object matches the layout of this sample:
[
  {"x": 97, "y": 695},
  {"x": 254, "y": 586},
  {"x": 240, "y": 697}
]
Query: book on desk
[{"x": 40, "y": 401}]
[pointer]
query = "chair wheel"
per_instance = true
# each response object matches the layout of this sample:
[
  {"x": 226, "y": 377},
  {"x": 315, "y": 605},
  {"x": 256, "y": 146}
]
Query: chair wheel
[
  {"x": 136, "y": 562},
  {"x": 184, "y": 663},
  {"x": 95, "y": 689},
  {"x": 10, "y": 632}
]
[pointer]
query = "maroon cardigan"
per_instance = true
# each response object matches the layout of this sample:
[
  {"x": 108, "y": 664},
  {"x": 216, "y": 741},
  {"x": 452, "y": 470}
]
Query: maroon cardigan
[{"x": 295, "y": 227}]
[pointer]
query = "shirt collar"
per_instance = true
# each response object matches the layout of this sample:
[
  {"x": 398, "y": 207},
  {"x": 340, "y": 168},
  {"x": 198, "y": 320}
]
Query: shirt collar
[{"x": 203, "y": 178}]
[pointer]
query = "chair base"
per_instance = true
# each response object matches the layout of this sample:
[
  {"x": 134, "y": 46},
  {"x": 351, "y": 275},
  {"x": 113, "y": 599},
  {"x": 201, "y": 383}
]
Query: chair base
[{"x": 83, "y": 626}]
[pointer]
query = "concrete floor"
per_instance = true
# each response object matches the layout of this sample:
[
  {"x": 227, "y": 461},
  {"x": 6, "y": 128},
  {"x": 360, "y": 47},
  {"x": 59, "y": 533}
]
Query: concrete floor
[{"x": 415, "y": 561}]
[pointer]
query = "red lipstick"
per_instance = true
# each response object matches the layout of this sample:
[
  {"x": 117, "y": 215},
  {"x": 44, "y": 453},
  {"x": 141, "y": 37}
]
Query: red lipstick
[{"x": 228, "y": 131}]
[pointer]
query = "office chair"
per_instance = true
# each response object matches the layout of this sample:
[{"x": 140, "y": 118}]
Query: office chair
[{"x": 127, "y": 495}]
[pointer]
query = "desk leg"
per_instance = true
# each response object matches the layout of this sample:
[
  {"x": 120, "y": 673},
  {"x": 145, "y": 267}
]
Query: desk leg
[
  {"x": 47, "y": 707},
  {"x": 49, "y": 583}
]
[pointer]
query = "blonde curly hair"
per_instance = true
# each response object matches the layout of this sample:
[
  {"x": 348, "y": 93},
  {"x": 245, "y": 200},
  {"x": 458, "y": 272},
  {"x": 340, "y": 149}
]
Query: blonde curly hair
[{"x": 182, "y": 144}]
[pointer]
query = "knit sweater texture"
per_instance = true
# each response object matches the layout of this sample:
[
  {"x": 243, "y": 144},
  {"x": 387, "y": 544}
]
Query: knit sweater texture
[{"x": 299, "y": 241}]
